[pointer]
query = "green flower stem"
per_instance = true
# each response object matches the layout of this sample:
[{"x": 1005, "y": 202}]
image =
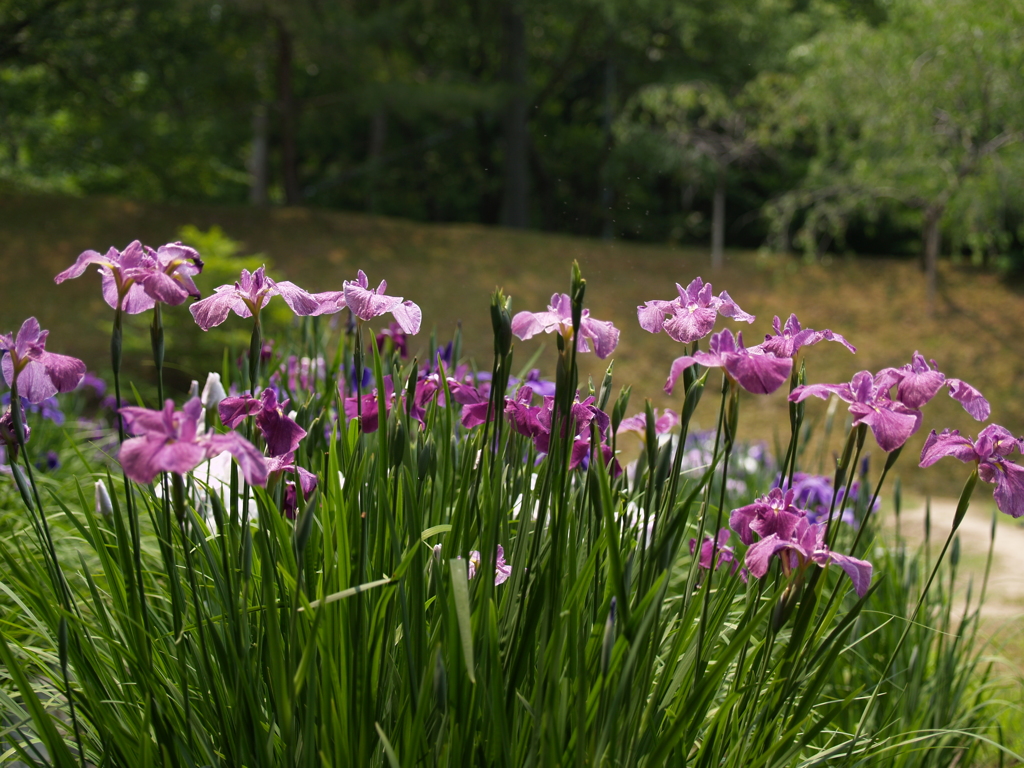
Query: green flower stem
[
  {"x": 255, "y": 354},
  {"x": 156, "y": 335},
  {"x": 731, "y": 421},
  {"x": 691, "y": 581},
  {"x": 133, "y": 521},
  {"x": 889, "y": 462},
  {"x": 850, "y": 457},
  {"x": 796, "y": 420},
  {"x": 961, "y": 511},
  {"x": 42, "y": 524},
  {"x": 53, "y": 565}
]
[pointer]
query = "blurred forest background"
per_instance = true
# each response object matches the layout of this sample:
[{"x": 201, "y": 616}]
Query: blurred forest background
[{"x": 816, "y": 126}]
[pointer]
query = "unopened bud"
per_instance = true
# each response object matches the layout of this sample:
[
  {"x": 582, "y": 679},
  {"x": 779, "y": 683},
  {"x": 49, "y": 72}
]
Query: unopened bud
[
  {"x": 213, "y": 391},
  {"x": 104, "y": 507},
  {"x": 501, "y": 323}
]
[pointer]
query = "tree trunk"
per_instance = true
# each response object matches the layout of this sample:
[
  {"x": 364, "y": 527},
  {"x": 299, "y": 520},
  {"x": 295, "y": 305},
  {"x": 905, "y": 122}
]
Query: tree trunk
[
  {"x": 718, "y": 220},
  {"x": 515, "y": 206},
  {"x": 378, "y": 137},
  {"x": 258, "y": 157},
  {"x": 607, "y": 193},
  {"x": 932, "y": 243},
  {"x": 289, "y": 117}
]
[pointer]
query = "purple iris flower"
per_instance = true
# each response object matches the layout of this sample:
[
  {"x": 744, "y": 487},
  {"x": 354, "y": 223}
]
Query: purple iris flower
[
  {"x": 502, "y": 570},
  {"x": 533, "y": 380},
  {"x": 369, "y": 408},
  {"x": 474, "y": 401},
  {"x": 170, "y": 441},
  {"x": 278, "y": 465},
  {"x": 39, "y": 374},
  {"x": 95, "y": 383},
  {"x": 8, "y": 437},
  {"x": 367, "y": 303},
  {"x": 280, "y": 432},
  {"x": 662, "y": 424},
  {"x": 725, "y": 553},
  {"x": 692, "y": 315},
  {"x": 788, "y": 340},
  {"x": 399, "y": 339},
  {"x": 50, "y": 463},
  {"x": 813, "y": 495},
  {"x": 805, "y": 545},
  {"x": 248, "y": 296},
  {"x": 426, "y": 390},
  {"x": 990, "y": 451},
  {"x": 558, "y": 319},
  {"x": 535, "y": 422},
  {"x": 753, "y": 369},
  {"x": 917, "y": 383},
  {"x": 892, "y": 422},
  {"x": 773, "y": 513},
  {"x": 137, "y": 277}
]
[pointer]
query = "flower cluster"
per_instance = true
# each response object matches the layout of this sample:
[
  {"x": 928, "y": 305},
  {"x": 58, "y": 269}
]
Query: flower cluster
[
  {"x": 720, "y": 551},
  {"x": 990, "y": 452},
  {"x": 138, "y": 277},
  {"x": 787, "y": 522},
  {"x": 893, "y": 419},
  {"x": 172, "y": 441},
  {"x": 691, "y": 315},
  {"x": 32, "y": 371},
  {"x": 535, "y": 422},
  {"x": 558, "y": 318},
  {"x": 786, "y": 531}
]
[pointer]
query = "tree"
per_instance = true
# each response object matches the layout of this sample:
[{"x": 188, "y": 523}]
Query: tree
[
  {"x": 915, "y": 113},
  {"x": 704, "y": 130}
]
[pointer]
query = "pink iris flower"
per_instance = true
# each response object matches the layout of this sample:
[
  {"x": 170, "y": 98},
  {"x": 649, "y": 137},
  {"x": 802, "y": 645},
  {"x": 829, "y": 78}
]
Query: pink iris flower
[
  {"x": 39, "y": 374},
  {"x": 990, "y": 452},
  {"x": 662, "y": 424},
  {"x": 135, "y": 279},
  {"x": 367, "y": 303},
  {"x": 692, "y": 315},
  {"x": 170, "y": 441},
  {"x": 558, "y": 319},
  {"x": 788, "y": 339},
  {"x": 754, "y": 369},
  {"x": 801, "y": 547},
  {"x": 252, "y": 292}
]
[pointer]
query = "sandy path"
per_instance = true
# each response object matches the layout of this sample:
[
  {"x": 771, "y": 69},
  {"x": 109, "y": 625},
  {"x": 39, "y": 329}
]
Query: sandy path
[{"x": 1005, "y": 598}]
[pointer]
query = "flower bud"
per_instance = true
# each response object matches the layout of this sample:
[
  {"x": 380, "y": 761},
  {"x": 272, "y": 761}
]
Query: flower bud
[
  {"x": 501, "y": 322},
  {"x": 104, "y": 507},
  {"x": 213, "y": 391},
  {"x": 619, "y": 409}
]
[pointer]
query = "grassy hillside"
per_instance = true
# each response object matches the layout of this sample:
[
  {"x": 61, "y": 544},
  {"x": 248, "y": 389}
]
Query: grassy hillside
[{"x": 449, "y": 270}]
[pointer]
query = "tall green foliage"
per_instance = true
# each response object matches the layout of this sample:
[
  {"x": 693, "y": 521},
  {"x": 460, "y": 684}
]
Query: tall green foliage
[{"x": 201, "y": 626}]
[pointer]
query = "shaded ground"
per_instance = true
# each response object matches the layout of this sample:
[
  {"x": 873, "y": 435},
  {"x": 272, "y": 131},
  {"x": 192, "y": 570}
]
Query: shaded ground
[{"x": 450, "y": 270}]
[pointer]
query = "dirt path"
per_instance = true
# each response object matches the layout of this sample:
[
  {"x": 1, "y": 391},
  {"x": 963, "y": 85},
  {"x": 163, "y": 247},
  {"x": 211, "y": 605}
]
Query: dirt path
[{"x": 1005, "y": 597}]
